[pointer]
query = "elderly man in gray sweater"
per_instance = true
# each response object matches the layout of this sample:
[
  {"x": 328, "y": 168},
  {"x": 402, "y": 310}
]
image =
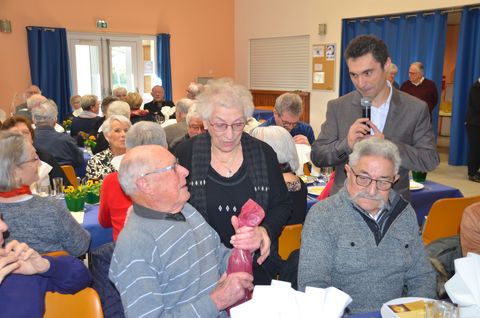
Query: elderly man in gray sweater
[
  {"x": 365, "y": 239},
  {"x": 168, "y": 262}
]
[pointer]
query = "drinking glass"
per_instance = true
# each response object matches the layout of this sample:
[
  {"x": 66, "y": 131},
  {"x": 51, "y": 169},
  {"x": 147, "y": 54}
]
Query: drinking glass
[
  {"x": 57, "y": 187},
  {"x": 43, "y": 190},
  {"x": 440, "y": 309}
]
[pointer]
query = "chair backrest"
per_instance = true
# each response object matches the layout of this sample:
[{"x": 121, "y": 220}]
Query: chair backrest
[
  {"x": 470, "y": 229},
  {"x": 56, "y": 253},
  {"x": 71, "y": 175},
  {"x": 85, "y": 303},
  {"x": 444, "y": 218},
  {"x": 289, "y": 240}
]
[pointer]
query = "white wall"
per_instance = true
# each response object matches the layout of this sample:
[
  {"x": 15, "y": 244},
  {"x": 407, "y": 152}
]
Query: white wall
[{"x": 273, "y": 18}]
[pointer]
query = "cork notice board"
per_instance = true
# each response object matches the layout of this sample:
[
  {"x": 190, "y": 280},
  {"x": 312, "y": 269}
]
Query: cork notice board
[{"x": 323, "y": 66}]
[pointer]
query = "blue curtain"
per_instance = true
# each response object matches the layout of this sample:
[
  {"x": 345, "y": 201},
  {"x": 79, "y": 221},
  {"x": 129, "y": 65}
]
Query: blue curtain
[
  {"x": 409, "y": 38},
  {"x": 163, "y": 63},
  {"x": 467, "y": 71},
  {"x": 49, "y": 65}
]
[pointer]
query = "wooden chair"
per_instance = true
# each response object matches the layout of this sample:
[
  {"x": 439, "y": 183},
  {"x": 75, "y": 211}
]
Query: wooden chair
[
  {"x": 85, "y": 303},
  {"x": 289, "y": 240},
  {"x": 71, "y": 175},
  {"x": 444, "y": 218},
  {"x": 56, "y": 253}
]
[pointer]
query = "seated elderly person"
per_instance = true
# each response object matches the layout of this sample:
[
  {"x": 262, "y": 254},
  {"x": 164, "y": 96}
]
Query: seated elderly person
[
  {"x": 121, "y": 108},
  {"x": 120, "y": 93},
  {"x": 44, "y": 223},
  {"x": 88, "y": 121},
  {"x": 135, "y": 101},
  {"x": 286, "y": 113},
  {"x": 470, "y": 229},
  {"x": 168, "y": 261},
  {"x": 25, "y": 277},
  {"x": 281, "y": 141},
  {"x": 75, "y": 104},
  {"x": 179, "y": 129},
  {"x": 114, "y": 203},
  {"x": 194, "y": 127},
  {"x": 23, "y": 109},
  {"x": 61, "y": 146},
  {"x": 115, "y": 129},
  {"x": 194, "y": 89},
  {"x": 364, "y": 239},
  {"x": 22, "y": 125}
]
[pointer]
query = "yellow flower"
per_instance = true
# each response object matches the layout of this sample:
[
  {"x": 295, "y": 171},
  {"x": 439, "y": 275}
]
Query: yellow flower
[{"x": 92, "y": 138}]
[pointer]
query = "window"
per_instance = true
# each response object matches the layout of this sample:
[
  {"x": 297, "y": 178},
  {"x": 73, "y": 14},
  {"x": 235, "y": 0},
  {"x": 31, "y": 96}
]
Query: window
[
  {"x": 100, "y": 63},
  {"x": 281, "y": 63}
]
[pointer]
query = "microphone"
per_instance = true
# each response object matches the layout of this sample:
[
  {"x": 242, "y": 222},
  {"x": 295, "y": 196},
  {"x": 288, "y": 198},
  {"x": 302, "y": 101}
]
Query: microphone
[{"x": 366, "y": 103}]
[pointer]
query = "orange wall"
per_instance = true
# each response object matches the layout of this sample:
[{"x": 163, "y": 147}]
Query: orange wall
[
  {"x": 202, "y": 32},
  {"x": 451, "y": 52}
]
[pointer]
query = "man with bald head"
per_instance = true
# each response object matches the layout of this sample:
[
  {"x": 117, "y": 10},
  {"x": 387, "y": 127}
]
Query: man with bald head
[
  {"x": 168, "y": 261},
  {"x": 22, "y": 109},
  {"x": 155, "y": 106}
]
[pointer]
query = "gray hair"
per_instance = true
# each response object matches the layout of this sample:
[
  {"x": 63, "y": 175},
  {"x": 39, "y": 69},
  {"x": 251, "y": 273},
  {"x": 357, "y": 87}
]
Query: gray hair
[
  {"x": 281, "y": 141},
  {"x": 88, "y": 101},
  {"x": 377, "y": 147},
  {"x": 224, "y": 93},
  {"x": 289, "y": 102},
  {"x": 131, "y": 169},
  {"x": 182, "y": 106},
  {"x": 45, "y": 114},
  {"x": 118, "y": 90},
  {"x": 35, "y": 100},
  {"x": 193, "y": 114},
  {"x": 107, "y": 124},
  {"x": 146, "y": 133},
  {"x": 194, "y": 89},
  {"x": 119, "y": 107},
  {"x": 419, "y": 65},
  {"x": 12, "y": 153}
]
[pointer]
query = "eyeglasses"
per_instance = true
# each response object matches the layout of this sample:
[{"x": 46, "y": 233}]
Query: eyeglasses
[
  {"x": 287, "y": 124},
  {"x": 167, "y": 168},
  {"x": 364, "y": 181},
  {"x": 30, "y": 160},
  {"x": 221, "y": 127},
  {"x": 194, "y": 127}
]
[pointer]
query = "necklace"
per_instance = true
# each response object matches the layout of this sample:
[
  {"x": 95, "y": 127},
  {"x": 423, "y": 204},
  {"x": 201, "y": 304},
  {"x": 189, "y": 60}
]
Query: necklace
[{"x": 227, "y": 164}]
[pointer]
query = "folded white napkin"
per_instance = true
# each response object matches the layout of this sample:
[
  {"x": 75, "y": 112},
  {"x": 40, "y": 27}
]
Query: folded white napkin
[
  {"x": 43, "y": 178},
  {"x": 303, "y": 152},
  {"x": 464, "y": 287},
  {"x": 168, "y": 111},
  {"x": 280, "y": 300}
]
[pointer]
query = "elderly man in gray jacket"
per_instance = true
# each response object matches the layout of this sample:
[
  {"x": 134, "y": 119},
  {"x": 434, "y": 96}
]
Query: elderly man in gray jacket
[{"x": 365, "y": 239}]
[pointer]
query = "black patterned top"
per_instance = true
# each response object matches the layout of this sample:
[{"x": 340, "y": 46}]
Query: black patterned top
[{"x": 100, "y": 165}]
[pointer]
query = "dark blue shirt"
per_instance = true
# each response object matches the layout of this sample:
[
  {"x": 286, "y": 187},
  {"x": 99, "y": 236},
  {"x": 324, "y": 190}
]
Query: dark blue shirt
[{"x": 300, "y": 129}]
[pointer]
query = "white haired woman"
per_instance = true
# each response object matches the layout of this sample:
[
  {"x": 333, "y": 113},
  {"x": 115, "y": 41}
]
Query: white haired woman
[
  {"x": 282, "y": 142},
  {"x": 228, "y": 167},
  {"x": 44, "y": 223},
  {"x": 115, "y": 129}
]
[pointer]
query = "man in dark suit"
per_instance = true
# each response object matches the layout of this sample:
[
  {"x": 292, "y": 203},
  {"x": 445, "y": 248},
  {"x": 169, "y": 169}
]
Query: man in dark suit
[
  {"x": 155, "y": 106},
  {"x": 397, "y": 116}
]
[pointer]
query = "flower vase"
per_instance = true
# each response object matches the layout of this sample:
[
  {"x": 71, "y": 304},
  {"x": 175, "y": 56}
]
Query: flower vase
[
  {"x": 75, "y": 204},
  {"x": 92, "y": 198}
]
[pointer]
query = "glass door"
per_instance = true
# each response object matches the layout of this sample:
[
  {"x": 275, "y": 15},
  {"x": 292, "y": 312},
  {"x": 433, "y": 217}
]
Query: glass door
[{"x": 100, "y": 63}]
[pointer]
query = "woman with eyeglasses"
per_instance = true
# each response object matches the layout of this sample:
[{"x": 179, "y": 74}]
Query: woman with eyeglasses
[
  {"x": 228, "y": 167},
  {"x": 44, "y": 223},
  {"x": 22, "y": 125}
]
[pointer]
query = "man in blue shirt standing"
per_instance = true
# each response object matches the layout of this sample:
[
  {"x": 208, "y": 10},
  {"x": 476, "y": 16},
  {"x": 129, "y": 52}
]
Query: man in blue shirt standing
[{"x": 286, "y": 113}]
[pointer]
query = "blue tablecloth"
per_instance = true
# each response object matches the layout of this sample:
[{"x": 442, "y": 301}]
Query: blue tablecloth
[
  {"x": 422, "y": 200},
  {"x": 99, "y": 235},
  {"x": 259, "y": 114}
]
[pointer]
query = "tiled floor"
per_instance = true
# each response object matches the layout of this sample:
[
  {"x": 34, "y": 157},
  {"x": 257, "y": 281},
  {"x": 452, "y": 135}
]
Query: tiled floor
[{"x": 454, "y": 176}]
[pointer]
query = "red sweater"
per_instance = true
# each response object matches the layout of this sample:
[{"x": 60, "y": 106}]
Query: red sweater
[
  {"x": 114, "y": 204},
  {"x": 426, "y": 91}
]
